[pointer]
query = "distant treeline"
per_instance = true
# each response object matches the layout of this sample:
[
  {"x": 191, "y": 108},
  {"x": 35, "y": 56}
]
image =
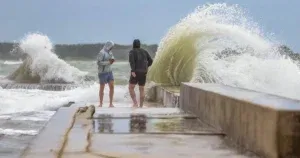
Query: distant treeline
[
  {"x": 89, "y": 51},
  {"x": 78, "y": 51}
]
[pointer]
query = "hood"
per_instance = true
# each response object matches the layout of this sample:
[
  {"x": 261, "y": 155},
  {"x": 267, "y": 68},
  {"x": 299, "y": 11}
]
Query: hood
[
  {"x": 108, "y": 45},
  {"x": 136, "y": 43}
]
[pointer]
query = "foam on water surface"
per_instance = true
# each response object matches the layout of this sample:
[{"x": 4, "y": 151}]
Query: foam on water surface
[
  {"x": 28, "y": 116},
  {"x": 24, "y": 100},
  {"x": 17, "y": 132},
  {"x": 5, "y": 117},
  {"x": 34, "y": 116}
]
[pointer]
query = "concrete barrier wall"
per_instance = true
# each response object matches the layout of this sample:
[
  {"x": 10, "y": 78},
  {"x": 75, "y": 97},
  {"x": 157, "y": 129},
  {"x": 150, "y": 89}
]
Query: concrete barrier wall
[
  {"x": 165, "y": 95},
  {"x": 265, "y": 124}
]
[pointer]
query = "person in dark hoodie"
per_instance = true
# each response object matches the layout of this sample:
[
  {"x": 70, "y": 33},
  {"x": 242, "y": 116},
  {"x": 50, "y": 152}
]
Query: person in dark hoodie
[{"x": 139, "y": 60}]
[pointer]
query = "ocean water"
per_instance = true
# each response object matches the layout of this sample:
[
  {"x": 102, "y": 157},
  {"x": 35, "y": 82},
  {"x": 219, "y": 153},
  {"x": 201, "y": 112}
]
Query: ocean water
[{"x": 24, "y": 112}]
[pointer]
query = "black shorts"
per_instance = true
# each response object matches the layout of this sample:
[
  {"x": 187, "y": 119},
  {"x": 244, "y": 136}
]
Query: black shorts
[{"x": 140, "y": 78}]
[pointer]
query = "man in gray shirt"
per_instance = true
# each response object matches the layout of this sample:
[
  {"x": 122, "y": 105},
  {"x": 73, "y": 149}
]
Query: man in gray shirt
[{"x": 105, "y": 59}]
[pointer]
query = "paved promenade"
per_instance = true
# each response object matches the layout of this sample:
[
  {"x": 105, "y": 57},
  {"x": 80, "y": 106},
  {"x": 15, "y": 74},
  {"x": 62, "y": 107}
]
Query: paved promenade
[{"x": 128, "y": 133}]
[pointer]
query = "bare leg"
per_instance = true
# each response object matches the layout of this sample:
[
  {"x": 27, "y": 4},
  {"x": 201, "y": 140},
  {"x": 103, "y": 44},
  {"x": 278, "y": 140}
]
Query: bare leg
[
  {"x": 142, "y": 95},
  {"x": 101, "y": 93},
  {"x": 111, "y": 93},
  {"x": 132, "y": 94}
]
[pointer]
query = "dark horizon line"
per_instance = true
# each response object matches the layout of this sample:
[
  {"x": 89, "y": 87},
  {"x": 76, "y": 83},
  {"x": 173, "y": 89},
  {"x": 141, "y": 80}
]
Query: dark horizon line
[{"x": 79, "y": 43}]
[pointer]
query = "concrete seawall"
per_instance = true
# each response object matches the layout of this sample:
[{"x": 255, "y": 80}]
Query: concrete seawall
[
  {"x": 166, "y": 95},
  {"x": 265, "y": 124}
]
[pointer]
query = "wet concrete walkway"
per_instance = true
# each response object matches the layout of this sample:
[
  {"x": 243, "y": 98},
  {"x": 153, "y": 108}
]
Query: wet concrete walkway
[{"x": 141, "y": 133}]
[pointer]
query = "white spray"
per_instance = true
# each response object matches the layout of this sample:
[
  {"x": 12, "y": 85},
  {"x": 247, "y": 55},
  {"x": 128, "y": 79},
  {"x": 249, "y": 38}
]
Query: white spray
[
  {"x": 45, "y": 62},
  {"x": 210, "y": 30}
]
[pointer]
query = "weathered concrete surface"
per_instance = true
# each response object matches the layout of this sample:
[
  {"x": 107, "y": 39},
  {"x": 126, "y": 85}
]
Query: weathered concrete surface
[
  {"x": 72, "y": 135},
  {"x": 53, "y": 138},
  {"x": 152, "y": 146},
  {"x": 265, "y": 124},
  {"x": 48, "y": 142},
  {"x": 160, "y": 146},
  {"x": 166, "y": 95},
  {"x": 109, "y": 140}
]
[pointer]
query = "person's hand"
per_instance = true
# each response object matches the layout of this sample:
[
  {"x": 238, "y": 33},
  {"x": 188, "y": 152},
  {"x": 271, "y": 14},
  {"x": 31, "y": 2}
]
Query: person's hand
[
  {"x": 133, "y": 74},
  {"x": 111, "y": 61}
]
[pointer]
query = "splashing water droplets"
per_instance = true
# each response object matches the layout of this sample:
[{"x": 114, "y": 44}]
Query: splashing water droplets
[
  {"x": 45, "y": 63},
  {"x": 218, "y": 43}
]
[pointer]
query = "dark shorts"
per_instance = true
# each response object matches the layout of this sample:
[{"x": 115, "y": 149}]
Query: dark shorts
[
  {"x": 140, "y": 78},
  {"x": 105, "y": 77}
]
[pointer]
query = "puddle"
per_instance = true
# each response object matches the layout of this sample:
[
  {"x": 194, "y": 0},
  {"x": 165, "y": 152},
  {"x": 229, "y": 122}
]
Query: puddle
[
  {"x": 127, "y": 112},
  {"x": 140, "y": 123}
]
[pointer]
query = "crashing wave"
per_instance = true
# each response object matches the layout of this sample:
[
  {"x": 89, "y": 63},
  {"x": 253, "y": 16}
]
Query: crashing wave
[
  {"x": 217, "y": 43},
  {"x": 42, "y": 65}
]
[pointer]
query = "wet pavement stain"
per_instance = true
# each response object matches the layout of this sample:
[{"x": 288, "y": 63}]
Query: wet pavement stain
[
  {"x": 169, "y": 125},
  {"x": 140, "y": 123}
]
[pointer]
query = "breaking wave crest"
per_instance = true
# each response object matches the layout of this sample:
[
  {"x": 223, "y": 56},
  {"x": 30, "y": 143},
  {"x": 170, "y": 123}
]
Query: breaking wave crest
[
  {"x": 42, "y": 65},
  {"x": 217, "y": 43}
]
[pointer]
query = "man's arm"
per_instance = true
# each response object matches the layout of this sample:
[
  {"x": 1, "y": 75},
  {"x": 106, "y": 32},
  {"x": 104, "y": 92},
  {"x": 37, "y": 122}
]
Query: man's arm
[
  {"x": 100, "y": 58},
  {"x": 111, "y": 55},
  {"x": 112, "y": 58},
  {"x": 150, "y": 61},
  {"x": 132, "y": 61}
]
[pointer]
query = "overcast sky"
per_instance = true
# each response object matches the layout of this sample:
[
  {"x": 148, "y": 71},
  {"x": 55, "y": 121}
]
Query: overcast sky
[{"x": 86, "y": 21}]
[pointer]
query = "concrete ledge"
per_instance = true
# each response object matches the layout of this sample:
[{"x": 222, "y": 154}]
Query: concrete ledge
[
  {"x": 48, "y": 141},
  {"x": 167, "y": 95},
  {"x": 265, "y": 124}
]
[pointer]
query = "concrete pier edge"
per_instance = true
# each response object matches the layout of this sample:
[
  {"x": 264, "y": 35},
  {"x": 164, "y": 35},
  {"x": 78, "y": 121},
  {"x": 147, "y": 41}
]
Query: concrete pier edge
[
  {"x": 51, "y": 139},
  {"x": 164, "y": 94},
  {"x": 265, "y": 124}
]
